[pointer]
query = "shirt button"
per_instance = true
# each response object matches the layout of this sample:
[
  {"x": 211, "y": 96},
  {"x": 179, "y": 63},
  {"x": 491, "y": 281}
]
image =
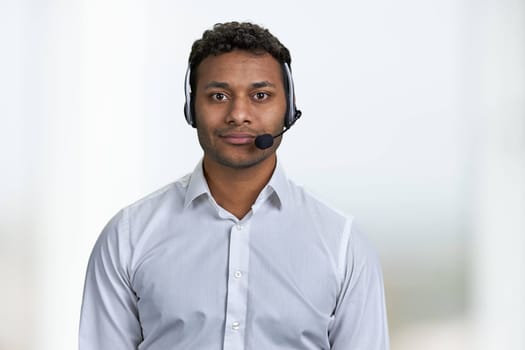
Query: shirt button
[
  {"x": 239, "y": 227},
  {"x": 236, "y": 325},
  {"x": 237, "y": 274}
]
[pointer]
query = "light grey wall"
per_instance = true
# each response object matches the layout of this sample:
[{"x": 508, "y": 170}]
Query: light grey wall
[{"x": 407, "y": 106}]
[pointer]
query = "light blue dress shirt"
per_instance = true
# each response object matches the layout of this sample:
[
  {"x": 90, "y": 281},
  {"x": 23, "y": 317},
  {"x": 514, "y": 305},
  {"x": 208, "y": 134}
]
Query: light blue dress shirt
[{"x": 176, "y": 271}]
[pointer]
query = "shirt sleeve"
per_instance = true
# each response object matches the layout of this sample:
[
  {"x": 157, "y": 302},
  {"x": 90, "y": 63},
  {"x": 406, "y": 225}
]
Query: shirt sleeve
[
  {"x": 109, "y": 317},
  {"x": 360, "y": 319}
]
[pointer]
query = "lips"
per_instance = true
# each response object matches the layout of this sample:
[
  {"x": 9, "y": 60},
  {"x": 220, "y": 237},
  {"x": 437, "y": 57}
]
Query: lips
[{"x": 238, "y": 138}]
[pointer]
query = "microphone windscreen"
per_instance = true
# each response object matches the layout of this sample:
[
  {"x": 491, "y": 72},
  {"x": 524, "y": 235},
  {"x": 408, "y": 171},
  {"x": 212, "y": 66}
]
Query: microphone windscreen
[{"x": 264, "y": 141}]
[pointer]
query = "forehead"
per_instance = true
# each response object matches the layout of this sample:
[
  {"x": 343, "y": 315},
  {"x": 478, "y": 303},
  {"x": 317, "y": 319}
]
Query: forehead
[{"x": 239, "y": 67}]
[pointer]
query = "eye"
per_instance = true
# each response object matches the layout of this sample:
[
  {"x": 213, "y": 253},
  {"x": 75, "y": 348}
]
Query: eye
[
  {"x": 261, "y": 96},
  {"x": 218, "y": 96}
]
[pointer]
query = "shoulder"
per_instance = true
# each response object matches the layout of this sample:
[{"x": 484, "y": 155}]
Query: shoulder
[
  {"x": 339, "y": 227},
  {"x": 169, "y": 195},
  {"x": 128, "y": 222},
  {"x": 317, "y": 216},
  {"x": 316, "y": 208}
]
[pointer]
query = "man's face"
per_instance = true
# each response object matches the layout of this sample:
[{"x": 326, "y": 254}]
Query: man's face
[{"x": 238, "y": 96}]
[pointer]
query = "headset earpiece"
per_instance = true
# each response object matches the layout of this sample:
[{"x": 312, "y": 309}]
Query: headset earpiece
[
  {"x": 188, "y": 105},
  {"x": 292, "y": 113}
]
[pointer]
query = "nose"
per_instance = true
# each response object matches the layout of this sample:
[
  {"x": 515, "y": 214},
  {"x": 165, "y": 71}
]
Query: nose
[{"x": 239, "y": 113}]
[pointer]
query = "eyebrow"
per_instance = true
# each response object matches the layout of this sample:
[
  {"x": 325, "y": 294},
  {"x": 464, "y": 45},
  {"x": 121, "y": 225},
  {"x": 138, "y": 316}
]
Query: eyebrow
[
  {"x": 223, "y": 85},
  {"x": 217, "y": 84},
  {"x": 261, "y": 84}
]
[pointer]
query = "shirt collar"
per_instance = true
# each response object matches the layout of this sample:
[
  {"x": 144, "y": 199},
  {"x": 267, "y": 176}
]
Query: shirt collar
[
  {"x": 278, "y": 184},
  {"x": 197, "y": 185}
]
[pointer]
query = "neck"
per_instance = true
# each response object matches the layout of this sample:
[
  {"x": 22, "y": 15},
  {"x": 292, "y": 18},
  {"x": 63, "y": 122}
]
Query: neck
[{"x": 237, "y": 189}]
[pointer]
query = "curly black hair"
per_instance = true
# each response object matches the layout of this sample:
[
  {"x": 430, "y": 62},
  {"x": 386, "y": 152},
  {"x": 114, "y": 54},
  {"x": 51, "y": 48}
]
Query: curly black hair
[{"x": 226, "y": 37}]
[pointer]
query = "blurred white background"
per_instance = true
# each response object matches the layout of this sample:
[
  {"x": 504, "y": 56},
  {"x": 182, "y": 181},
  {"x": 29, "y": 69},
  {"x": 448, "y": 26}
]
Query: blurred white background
[{"x": 413, "y": 121}]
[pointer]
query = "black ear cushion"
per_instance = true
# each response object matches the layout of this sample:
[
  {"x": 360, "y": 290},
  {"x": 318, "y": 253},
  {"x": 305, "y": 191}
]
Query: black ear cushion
[
  {"x": 186, "y": 111},
  {"x": 189, "y": 112}
]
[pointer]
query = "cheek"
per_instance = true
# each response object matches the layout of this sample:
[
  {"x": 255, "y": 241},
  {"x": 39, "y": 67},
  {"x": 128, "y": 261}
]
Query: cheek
[
  {"x": 208, "y": 117},
  {"x": 205, "y": 140},
  {"x": 203, "y": 132}
]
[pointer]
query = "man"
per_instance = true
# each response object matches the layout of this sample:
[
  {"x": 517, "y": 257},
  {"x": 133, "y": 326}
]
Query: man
[{"x": 234, "y": 255}]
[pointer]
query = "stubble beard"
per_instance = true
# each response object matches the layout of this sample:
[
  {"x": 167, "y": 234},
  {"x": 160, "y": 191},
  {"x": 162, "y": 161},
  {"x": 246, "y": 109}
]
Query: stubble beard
[{"x": 256, "y": 157}]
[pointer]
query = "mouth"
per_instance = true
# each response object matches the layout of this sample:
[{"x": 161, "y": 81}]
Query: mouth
[{"x": 238, "y": 138}]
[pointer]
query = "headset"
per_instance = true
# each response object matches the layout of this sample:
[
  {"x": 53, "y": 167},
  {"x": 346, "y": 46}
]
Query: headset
[{"x": 292, "y": 113}]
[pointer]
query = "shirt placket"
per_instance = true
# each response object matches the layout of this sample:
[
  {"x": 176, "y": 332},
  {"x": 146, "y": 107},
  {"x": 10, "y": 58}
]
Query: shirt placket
[{"x": 237, "y": 297}]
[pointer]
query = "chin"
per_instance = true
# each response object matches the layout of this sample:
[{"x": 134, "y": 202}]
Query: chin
[{"x": 244, "y": 162}]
